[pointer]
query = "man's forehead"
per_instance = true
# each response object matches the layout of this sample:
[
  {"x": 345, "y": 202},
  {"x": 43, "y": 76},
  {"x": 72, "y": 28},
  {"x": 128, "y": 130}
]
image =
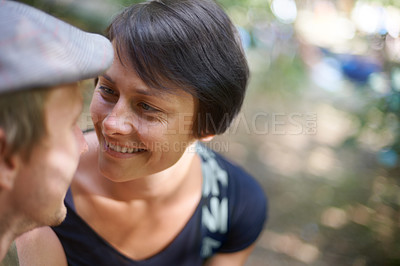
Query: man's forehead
[{"x": 65, "y": 95}]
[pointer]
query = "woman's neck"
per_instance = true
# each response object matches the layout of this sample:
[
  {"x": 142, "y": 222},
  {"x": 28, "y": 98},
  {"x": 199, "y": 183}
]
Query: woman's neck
[{"x": 181, "y": 178}]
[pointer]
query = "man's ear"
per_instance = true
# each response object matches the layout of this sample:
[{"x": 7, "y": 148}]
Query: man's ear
[
  {"x": 8, "y": 164},
  {"x": 207, "y": 138}
]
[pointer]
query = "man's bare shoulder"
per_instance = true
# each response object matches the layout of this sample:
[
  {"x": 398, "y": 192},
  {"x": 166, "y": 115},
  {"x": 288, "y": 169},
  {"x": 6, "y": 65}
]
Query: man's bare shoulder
[{"x": 40, "y": 247}]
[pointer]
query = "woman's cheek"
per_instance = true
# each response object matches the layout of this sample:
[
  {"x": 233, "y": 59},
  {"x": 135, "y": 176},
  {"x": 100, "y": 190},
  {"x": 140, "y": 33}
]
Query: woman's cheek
[{"x": 98, "y": 111}]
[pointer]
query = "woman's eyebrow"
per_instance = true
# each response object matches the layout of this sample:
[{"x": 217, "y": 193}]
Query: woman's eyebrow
[
  {"x": 107, "y": 77},
  {"x": 148, "y": 92}
]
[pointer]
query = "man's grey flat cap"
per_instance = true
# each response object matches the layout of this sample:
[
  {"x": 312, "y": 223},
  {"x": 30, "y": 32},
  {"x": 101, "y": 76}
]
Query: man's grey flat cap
[{"x": 38, "y": 50}]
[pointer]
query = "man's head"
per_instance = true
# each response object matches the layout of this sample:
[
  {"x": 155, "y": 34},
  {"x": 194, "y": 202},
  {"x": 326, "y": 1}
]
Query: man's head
[
  {"x": 37, "y": 174},
  {"x": 41, "y": 61}
]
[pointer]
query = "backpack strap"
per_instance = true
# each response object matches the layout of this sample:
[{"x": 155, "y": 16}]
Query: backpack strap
[
  {"x": 11, "y": 258},
  {"x": 214, "y": 212}
]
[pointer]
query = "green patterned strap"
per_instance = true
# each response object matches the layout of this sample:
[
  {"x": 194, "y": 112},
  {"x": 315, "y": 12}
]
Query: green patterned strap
[{"x": 11, "y": 258}]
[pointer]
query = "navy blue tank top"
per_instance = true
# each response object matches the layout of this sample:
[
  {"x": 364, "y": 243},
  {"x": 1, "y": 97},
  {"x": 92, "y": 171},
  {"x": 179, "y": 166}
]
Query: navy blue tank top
[{"x": 229, "y": 218}]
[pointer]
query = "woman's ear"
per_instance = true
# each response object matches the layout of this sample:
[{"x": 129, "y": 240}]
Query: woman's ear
[
  {"x": 8, "y": 164},
  {"x": 207, "y": 138}
]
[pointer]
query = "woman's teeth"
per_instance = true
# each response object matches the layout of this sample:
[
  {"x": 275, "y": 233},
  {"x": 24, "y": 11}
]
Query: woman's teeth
[{"x": 118, "y": 148}]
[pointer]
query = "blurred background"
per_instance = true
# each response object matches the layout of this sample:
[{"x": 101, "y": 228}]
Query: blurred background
[{"x": 319, "y": 127}]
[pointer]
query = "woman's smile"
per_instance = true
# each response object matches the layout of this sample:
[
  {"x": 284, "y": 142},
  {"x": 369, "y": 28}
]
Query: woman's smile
[{"x": 121, "y": 151}]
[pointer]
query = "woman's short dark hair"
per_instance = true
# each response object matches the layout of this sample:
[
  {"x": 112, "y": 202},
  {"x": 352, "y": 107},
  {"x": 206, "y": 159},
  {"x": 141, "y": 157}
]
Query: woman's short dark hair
[{"x": 191, "y": 44}]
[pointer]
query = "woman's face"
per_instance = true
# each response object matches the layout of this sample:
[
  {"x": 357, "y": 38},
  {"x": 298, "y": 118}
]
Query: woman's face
[{"x": 141, "y": 130}]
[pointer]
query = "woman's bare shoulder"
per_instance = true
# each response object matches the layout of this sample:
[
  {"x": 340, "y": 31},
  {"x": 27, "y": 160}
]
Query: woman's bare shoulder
[{"x": 40, "y": 247}]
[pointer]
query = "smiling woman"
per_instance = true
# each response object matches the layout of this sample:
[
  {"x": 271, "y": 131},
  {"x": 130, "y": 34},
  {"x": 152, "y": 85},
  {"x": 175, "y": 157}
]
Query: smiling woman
[
  {"x": 147, "y": 192},
  {"x": 123, "y": 123}
]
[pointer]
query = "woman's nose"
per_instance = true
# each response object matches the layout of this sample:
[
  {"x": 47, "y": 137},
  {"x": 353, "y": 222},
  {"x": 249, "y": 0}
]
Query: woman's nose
[{"x": 119, "y": 121}]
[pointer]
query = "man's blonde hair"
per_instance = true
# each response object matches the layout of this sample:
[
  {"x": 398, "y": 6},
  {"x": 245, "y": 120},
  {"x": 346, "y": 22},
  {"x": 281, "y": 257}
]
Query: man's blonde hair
[{"x": 22, "y": 118}]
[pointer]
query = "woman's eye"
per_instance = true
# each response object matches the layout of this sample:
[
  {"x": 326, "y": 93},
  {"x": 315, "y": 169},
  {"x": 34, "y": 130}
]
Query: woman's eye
[
  {"x": 147, "y": 107},
  {"x": 107, "y": 90},
  {"x": 152, "y": 114}
]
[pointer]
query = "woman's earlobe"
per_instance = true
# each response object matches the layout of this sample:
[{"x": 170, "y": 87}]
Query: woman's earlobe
[{"x": 207, "y": 138}]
